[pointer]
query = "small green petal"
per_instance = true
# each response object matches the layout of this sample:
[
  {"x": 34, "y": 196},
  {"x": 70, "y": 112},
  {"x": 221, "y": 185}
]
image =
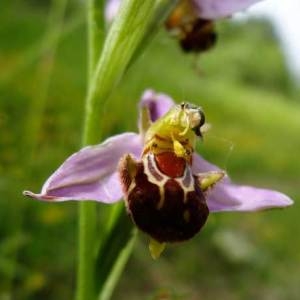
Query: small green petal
[
  {"x": 156, "y": 248},
  {"x": 207, "y": 180}
]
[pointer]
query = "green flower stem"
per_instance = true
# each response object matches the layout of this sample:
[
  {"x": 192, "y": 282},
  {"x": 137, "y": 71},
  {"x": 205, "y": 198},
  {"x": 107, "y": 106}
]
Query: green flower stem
[
  {"x": 95, "y": 31},
  {"x": 125, "y": 36},
  {"x": 87, "y": 249}
]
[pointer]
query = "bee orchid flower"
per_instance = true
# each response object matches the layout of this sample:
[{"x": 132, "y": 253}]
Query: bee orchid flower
[
  {"x": 191, "y": 22},
  {"x": 169, "y": 190},
  {"x": 205, "y": 9}
]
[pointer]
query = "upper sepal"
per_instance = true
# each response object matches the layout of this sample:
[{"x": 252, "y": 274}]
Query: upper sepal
[
  {"x": 91, "y": 173},
  {"x": 157, "y": 104}
]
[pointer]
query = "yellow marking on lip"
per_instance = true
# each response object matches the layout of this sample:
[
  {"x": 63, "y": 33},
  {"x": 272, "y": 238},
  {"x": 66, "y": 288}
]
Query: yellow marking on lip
[
  {"x": 159, "y": 183},
  {"x": 161, "y": 202}
]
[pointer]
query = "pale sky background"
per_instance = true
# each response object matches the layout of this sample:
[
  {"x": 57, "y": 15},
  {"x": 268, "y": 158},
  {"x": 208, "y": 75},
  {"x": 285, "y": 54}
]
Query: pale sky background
[{"x": 285, "y": 16}]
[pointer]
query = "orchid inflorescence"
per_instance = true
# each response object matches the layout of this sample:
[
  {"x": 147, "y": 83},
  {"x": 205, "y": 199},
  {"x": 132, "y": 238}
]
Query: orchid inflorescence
[{"x": 168, "y": 189}]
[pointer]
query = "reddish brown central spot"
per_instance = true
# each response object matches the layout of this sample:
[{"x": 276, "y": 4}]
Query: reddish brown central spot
[{"x": 170, "y": 164}]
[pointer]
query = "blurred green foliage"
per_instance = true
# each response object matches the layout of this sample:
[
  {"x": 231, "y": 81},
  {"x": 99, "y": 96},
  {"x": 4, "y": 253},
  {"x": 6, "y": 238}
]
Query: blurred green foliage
[{"x": 253, "y": 107}]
